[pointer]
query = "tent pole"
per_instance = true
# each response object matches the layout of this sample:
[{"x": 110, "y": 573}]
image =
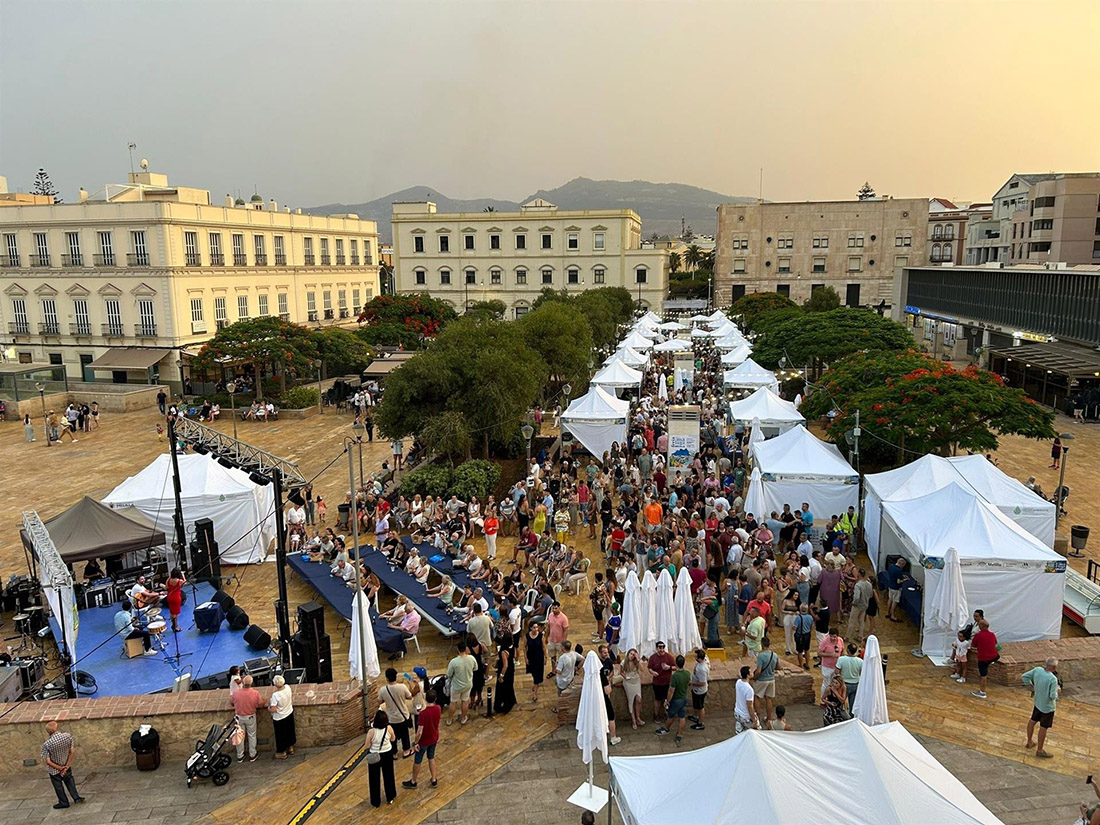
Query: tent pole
[
  {"x": 282, "y": 607},
  {"x": 591, "y": 772}
]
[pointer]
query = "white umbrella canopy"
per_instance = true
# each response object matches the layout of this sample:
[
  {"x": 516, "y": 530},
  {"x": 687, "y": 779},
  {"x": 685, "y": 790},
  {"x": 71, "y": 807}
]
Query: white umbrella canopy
[
  {"x": 665, "y": 610},
  {"x": 870, "y": 702},
  {"x": 798, "y": 401},
  {"x": 677, "y": 380},
  {"x": 648, "y": 623},
  {"x": 672, "y": 325},
  {"x": 631, "y": 629},
  {"x": 754, "y": 498},
  {"x": 949, "y": 609},
  {"x": 662, "y": 387},
  {"x": 361, "y": 625},
  {"x": 757, "y": 434},
  {"x": 674, "y": 345},
  {"x": 592, "y": 713},
  {"x": 686, "y": 637}
]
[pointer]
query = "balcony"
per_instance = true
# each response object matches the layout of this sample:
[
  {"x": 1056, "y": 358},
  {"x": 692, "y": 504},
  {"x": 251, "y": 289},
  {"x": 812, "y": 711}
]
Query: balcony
[
  {"x": 137, "y": 259},
  {"x": 355, "y": 260},
  {"x": 40, "y": 260},
  {"x": 83, "y": 328},
  {"x": 72, "y": 260},
  {"x": 261, "y": 259},
  {"x": 112, "y": 329},
  {"x": 309, "y": 259},
  {"x": 49, "y": 328},
  {"x": 326, "y": 260},
  {"x": 193, "y": 259},
  {"x": 9, "y": 261},
  {"x": 280, "y": 259},
  {"x": 217, "y": 259},
  {"x": 340, "y": 260},
  {"x": 368, "y": 260},
  {"x": 19, "y": 327},
  {"x": 240, "y": 259},
  {"x": 145, "y": 329},
  {"x": 104, "y": 259}
]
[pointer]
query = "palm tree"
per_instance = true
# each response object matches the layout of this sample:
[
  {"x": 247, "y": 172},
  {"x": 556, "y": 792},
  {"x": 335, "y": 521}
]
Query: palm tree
[
  {"x": 706, "y": 261},
  {"x": 490, "y": 209},
  {"x": 674, "y": 262},
  {"x": 692, "y": 257}
]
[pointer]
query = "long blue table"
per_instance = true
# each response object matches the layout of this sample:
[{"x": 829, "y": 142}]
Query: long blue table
[
  {"x": 444, "y": 567},
  {"x": 397, "y": 580},
  {"x": 339, "y": 596}
]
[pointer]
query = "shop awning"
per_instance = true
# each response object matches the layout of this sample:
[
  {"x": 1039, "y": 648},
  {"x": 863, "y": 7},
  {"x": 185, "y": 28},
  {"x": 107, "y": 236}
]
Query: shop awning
[
  {"x": 1066, "y": 359},
  {"x": 128, "y": 358}
]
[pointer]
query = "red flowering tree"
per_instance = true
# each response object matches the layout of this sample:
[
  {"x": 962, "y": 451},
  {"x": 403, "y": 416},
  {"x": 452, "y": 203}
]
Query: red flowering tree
[
  {"x": 286, "y": 347},
  {"x": 403, "y": 320}
]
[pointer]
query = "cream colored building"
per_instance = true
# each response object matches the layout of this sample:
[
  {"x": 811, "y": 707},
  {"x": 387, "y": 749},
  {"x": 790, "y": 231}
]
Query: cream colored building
[
  {"x": 856, "y": 247},
  {"x": 947, "y": 229},
  {"x": 467, "y": 257},
  {"x": 125, "y": 286}
]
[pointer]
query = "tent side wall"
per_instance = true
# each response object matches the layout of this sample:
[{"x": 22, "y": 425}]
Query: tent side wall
[
  {"x": 825, "y": 497},
  {"x": 1040, "y": 523},
  {"x": 597, "y": 436},
  {"x": 872, "y": 526}
]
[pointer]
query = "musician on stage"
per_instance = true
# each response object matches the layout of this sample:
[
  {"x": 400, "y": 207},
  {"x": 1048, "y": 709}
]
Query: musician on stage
[
  {"x": 143, "y": 597},
  {"x": 130, "y": 625}
]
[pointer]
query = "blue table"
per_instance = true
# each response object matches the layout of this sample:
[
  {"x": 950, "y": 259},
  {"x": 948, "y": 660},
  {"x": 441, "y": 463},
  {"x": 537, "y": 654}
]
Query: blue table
[
  {"x": 397, "y": 580},
  {"x": 445, "y": 567}
]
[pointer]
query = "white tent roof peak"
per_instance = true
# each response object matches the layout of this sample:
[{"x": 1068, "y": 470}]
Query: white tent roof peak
[
  {"x": 798, "y": 452},
  {"x": 630, "y": 357},
  {"x": 617, "y": 374},
  {"x": 635, "y": 340},
  {"x": 766, "y": 406},
  {"x": 597, "y": 404},
  {"x": 737, "y": 355}
]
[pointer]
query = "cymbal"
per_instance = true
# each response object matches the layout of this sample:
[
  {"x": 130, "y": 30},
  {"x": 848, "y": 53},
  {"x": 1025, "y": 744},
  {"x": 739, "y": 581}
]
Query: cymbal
[
  {"x": 20, "y": 617},
  {"x": 35, "y": 607}
]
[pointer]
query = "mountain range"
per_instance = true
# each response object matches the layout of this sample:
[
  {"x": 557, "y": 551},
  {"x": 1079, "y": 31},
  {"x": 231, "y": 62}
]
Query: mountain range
[{"x": 661, "y": 205}]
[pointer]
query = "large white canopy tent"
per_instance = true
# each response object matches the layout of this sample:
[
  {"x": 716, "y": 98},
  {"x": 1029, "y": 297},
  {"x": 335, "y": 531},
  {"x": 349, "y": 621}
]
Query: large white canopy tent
[
  {"x": 597, "y": 420},
  {"x": 1007, "y": 572},
  {"x": 674, "y": 345},
  {"x": 774, "y": 414},
  {"x": 798, "y": 466},
  {"x": 243, "y": 512},
  {"x": 617, "y": 375},
  {"x": 738, "y": 355},
  {"x": 731, "y": 341},
  {"x": 629, "y": 357},
  {"x": 749, "y": 375},
  {"x": 974, "y": 473},
  {"x": 636, "y": 341},
  {"x": 765, "y": 776}
]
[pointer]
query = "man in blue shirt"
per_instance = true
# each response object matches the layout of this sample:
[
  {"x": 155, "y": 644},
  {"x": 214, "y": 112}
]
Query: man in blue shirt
[
  {"x": 1043, "y": 682},
  {"x": 128, "y": 627},
  {"x": 807, "y": 518},
  {"x": 896, "y": 576}
]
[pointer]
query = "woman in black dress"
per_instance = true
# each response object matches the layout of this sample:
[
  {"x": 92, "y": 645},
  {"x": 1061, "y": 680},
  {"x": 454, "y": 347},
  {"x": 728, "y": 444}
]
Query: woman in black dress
[
  {"x": 536, "y": 657},
  {"x": 505, "y": 698},
  {"x": 478, "y": 652}
]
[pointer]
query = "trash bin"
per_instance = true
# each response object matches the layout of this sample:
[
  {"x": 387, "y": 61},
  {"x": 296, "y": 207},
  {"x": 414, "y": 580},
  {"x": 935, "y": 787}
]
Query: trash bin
[
  {"x": 1078, "y": 536},
  {"x": 343, "y": 515},
  {"x": 145, "y": 743}
]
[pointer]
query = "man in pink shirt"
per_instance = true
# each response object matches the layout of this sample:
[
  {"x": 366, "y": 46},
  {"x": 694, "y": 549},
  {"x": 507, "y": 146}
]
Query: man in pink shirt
[
  {"x": 557, "y": 627},
  {"x": 409, "y": 622},
  {"x": 246, "y": 701},
  {"x": 831, "y": 647}
]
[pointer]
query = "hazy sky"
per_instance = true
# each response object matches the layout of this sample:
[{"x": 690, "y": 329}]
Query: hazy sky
[{"x": 317, "y": 101}]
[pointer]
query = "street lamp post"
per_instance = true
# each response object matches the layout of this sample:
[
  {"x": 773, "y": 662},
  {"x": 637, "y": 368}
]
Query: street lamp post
[
  {"x": 528, "y": 432},
  {"x": 231, "y": 388},
  {"x": 320, "y": 403},
  {"x": 45, "y": 418},
  {"x": 1060, "y": 494},
  {"x": 359, "y": 429}
]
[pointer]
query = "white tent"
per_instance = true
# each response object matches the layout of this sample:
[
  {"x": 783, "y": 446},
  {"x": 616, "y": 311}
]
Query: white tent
[
  {"x": 932, "y": 472},
  {"x": 870, "y": 703},
  {"x": 671, "y": 326},
  {"x": 674, "y": 345},
  {"x": 617, "y": 375},
  {"x": 699, "y": 318},
  {"x": 597, "y": 419},
  {"x": 750, "y": 375},
  {"x": 629, "y": 357},
  {"x": 725, "y": 330},
  {"x": 718, "y": 315},
  {"x": 754, "y": 497},
  {"x": 1006, "y": 571},
  {"x": 738, "y": 355},
  {"x": 243, "y": 513},
  {"x": 776, "y": 415},
  {"x": 635, "y": 340},
  {"x": 796, "y": 467},
  {"x": 837, "y": 775},
  {"x": 732, "y": 342}
]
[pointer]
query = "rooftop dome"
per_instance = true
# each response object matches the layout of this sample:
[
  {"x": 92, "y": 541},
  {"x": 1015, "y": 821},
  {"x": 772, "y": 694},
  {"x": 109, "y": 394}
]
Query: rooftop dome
[
  {"x": 238, "y": 202},
  {"x": 256, "y": 198}
]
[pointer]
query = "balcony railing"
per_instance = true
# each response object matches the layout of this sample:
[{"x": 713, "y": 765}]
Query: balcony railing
[
  {"x": 340, "y": 260},
  {"x": 49, "y": 328},
  {"x": 8, "y": 261},
  {"x": 19, "y": 327},
  {"x": 40, "y": 260},
  {"x": 355, "y": 260},
  {"x": 104, "y": 260},
  {"x": 368, "y": 260},
  {"x": 217, "y": 259},
  {"x": 81, "y": 328},
  {"x": 261, "y": 259},
  {"x": 137, "y": 259},
  {"x": 193, "y": 259},
  {"x": 112, "y": 329},
  {"x": 72, "y": 260},
  {"x": 146, "y": 329},
  {"x": 240, "y": 259},
  {"x": 326, "y": 260},
  {"x": 309, "y": 259},
  {"x": 280, "y": 259}
]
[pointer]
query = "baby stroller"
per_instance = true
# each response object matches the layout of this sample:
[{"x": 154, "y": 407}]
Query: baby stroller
[
  {"x": 1059, "y": 498},
  {"x": 208, "y": 762}
]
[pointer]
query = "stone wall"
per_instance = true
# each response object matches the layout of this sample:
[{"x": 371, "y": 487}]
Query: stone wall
[
  {"x": 1078, "y": 660},
  {"x": 329, "y": 714},
  {"x": 139, "y": 397}
]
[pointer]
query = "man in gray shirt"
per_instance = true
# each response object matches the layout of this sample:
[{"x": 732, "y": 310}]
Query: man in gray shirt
[{"x": 861, "y": 598}]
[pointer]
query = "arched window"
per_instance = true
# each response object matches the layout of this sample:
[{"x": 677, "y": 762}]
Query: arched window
[
  {"x": 937, "y": 231},
  {"x": 947, "y": 249},
  {"x": 421, "y": 277},
  {"x": 599, "y": 275},
  {"x": 547, "y": 275},
  {"x": 949, "y": 231},
  {"x": 935, "y": 251},
  {"x": 573, "y": 275},
  {"x": 495, "y": 275}
]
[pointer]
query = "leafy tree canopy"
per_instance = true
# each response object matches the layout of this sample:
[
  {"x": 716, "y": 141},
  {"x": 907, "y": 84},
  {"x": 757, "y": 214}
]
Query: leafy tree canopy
[
  {"x": 405, "y": 319},
  {"x": 822, "y": 299},
  {"x": 561, "y": 336},
  {"x": 605, "y": 309},
  {"x": 493, "y": 307},
  {"x": 342, "y": 351},
  {"x": 288, "y": 347},
  {"x": 818, "y": 338},
  {"x": 447, "y": 434},
  {"x": 748, "y": 307}
]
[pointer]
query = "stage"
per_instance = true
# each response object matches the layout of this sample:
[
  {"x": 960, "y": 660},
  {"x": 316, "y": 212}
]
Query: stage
[{"x": 203, "y": 654}]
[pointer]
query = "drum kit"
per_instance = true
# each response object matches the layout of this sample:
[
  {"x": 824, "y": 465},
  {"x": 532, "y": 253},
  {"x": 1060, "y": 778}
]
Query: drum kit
[{"x": 27, "y": 624}]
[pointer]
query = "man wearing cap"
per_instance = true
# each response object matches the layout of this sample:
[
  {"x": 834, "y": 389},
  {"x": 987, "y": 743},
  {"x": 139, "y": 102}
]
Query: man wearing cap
[{"x": 661, "y": 665}]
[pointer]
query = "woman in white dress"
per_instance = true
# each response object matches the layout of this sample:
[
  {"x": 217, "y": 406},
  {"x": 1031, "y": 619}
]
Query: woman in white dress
[{"x": 632, "y": 684}]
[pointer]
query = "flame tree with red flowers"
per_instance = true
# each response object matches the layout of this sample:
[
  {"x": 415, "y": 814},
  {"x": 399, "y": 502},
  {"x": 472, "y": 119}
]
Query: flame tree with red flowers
[{"x": 405, "y": 320}]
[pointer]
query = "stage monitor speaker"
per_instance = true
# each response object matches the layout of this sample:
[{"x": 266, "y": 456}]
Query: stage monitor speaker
[
  {"x": 224, "y": 599},
  {"x": 294, "y": 675},
  {"x": 236, "y": 618},
  {"x": 311, "y": 619},
  {"x": 206, "y": 564},
  {"x": 257, "y": 638},
  {"x": 315, "y": 658}
]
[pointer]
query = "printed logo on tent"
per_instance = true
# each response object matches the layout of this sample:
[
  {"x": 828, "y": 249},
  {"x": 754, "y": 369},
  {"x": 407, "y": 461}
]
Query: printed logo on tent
[
  {"x": 221, "y": 497},
  {"x": 1017, "y": 510}
]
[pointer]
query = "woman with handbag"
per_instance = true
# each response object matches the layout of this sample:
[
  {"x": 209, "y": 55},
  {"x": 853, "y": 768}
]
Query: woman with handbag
[
  {"x": 282, "y": 718},
  {"x": 394, "y": 698},
  {"x": 380, "y": 751}
]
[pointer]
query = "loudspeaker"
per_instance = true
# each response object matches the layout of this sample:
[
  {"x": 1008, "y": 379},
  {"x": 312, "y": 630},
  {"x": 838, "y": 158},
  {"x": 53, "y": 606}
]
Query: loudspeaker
[
  {"x": 316, "y": 658},
  {"x": 294, "y": 675},
  {"x": 257, "y": 638},
  {"x": 220, "y": 680},
  {"x": 311, "y": 619},
  {"x": 205, "y": 562},
  {"x": 236, "y": 618},
  {"x": 224, "y": 599}
]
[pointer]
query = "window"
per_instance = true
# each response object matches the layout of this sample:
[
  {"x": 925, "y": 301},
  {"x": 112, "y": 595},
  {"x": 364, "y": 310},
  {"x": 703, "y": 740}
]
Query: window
[
  {"x": 573, "y": 275},
  {"x": 851, "y": 296},
  {"x": 21, "y": 324},
  {"x": 855, "y": 264},
  {"x": 83, "y": 324},
  {"x": 1042, "y": 203},
  {"x": 41, "y": 255},
  {"x": 311, "y": 306},
  {"x": 599, "y": 275},
  {"x": 216, "y": 258},
  {"x": 815, "y": 287},
  {"x": 355, "y": 299},
  {"x": 821, "y": 242},
  {"x": 948, "y": 251},
  {"x": 547, "y": 241},
  {"x": 242, "y": 307},
  {"x": 547, "y": 275},
  {"x": 239, "y": 257},
  {"x": 260, "y": 250},
  {"x": 283, "y": 307},
  {"x": 221, "y": 317},
  {"x": 494, "y": 241},
  {"x": 72, "y": 241},
  {"x": 641, "y": 275},
  {"x": 445, "y": 277},
  {"x": 597, "y": 241},
  {"x": 468, "y": 242},
  {"x": 572, "y": 241},
  {"x": 785, "y": 243},
  {"x": 262, "y": 300},
  {"x": 935, "y": 252},
  {"x": 196, "y": 311},
  {"x": 421, "y": 277},
  {"x": 342, "y": 302},
  {"x": 354, "y": 252},
  {"x": 471, "y": 276},
  {"x": 280, "y": 251},
  {"x": 948, "y": 232},
  {"x": 114, "y": 316},
  {"x": 521, "y": 311},
  {"x": 739, "y": 265},
  {"x": 307, "y": 250},
  {"x": 855, "y": 241},
  {"x": 368, "y": 258},
  {"x": 418, "y": 243},
  {"x": 784, "y": 265},
  {"x": 140, "y": 256},
  {"x": 106, "y": 249},
  {"x": 521, "y": 241},
  {"x": 784, "y": 290},
  {"x": 326, "y": 259},
  {"x": 495, "y": 276},
  {"x": 11, "y": 249},
  {"x": 521, "y": 277},
  {"x": 444, "y": 243},
  {"x": 147, "y": 320},
  {"x": 191, "y": 248},
  {"x": 737, "y": 293},
  {"x": 49, "y": 317},
  {"x": 1042, "y": 224},
  {"x": 819, "y": 264},
  {"x": 937, "y": 231},
  {"x": 326, "y": 301},
  {"x": 340, "y": 259},
  {"x": 741, "y": 244}
]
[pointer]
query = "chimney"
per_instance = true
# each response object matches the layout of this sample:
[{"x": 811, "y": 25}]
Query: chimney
[
  {"x": 229, "y": 201},
  {"x": 272, "y": 206},
  {"x": 82, "y": 195},
  {"x": 286, "y": 209},
  {"x": 298, "y": 211}
]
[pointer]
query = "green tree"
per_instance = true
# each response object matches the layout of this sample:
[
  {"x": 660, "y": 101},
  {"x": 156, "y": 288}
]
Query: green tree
[
  {"x": 447, "y": 434},
  {"x": 853, "y": 374},
  {"x": 674, "y": 262},
  {"x": 706, "y": 261},
  {"x": 693, "y": 255},
  {"x": 866, "y": 192},
  {"x": 403, "y": 320},
  {"x": 44, "y": 186},
  {"x": 822, "y": 299},
  {"x": 494, "y": 307},
  {"x": 342, "y": 352},
  {"x": 269, "y": 341},
  {"x": 816, "y": 339},
  {"x": 548, "y": 293},
  {"x": 561, "y": 336},
  {"x": 749, "y": 307}
]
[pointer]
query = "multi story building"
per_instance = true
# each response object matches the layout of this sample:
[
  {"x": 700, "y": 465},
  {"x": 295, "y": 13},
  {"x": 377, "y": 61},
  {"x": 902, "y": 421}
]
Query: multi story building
[
  {"x": 124, "y": 287},
  {"x": 467, "y": 257},
  {"x": 1040, "y": 218},
  {"x": 794, "y": 248},
  {"x": 947, "y": 228}
]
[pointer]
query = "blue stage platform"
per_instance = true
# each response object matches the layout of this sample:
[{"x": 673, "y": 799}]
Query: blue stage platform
[{"x": 115, "y": 675}]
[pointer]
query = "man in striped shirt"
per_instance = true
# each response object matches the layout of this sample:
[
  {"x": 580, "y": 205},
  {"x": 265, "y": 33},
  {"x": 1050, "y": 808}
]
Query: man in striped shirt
[{"x": 57, "y": 753}]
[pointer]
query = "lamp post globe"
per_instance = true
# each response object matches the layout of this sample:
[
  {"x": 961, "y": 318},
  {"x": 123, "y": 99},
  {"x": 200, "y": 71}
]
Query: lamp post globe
[{"x": 231, "y": 388}]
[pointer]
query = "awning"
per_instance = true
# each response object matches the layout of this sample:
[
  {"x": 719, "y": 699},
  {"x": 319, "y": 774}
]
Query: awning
[
  {"x": 128, "y": 358},
  {"x": 1056, "y": 356}
]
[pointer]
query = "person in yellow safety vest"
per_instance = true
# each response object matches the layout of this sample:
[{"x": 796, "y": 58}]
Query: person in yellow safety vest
[{"x": 848, "y": 522}]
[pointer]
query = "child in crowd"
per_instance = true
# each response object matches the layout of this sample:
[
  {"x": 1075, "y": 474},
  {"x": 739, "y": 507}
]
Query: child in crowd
[{"x": 960, "y": 650}]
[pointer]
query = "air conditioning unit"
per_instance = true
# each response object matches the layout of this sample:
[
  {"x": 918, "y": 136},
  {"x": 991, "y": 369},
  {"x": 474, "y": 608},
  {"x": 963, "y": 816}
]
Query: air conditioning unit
[{"x": 197, "y": 327}]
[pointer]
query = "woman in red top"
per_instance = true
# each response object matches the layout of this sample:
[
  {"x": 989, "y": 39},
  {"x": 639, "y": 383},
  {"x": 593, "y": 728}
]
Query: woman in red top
[
  {"x": 175, "y": 585},
  {"x": 985, "y": 644},
  {"x": 491, "y": 526}
]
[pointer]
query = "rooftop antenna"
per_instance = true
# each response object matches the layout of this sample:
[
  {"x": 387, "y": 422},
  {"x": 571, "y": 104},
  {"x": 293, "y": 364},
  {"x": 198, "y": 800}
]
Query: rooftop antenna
[
  {"x": 761, "y": 197},
  {"x": 131, "y": 146}
]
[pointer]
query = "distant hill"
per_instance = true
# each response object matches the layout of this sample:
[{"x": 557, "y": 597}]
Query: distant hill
[{"x": 659, "y": 204}]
